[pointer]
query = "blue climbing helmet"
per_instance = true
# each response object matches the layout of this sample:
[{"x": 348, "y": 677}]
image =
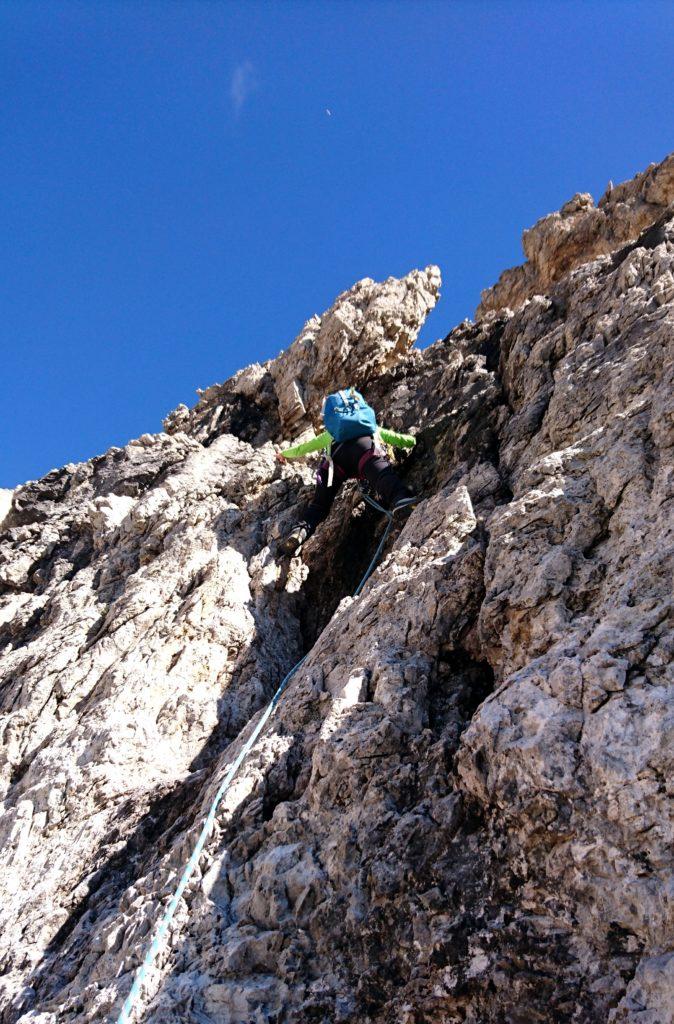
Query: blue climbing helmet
[{"x": 346, "y": 415}]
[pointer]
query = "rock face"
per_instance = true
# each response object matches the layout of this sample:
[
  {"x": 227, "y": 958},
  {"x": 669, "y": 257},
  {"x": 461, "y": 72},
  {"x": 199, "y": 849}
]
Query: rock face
[
  {"x": 581, "y": 231},
  {"x": 461, "y": 810},
  {"x": 368, "y": 330}
]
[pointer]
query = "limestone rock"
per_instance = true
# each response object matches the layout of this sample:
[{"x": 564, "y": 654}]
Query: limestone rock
[
  {"x": 461, "y": 810},
  {"x": 369, "y": 329},
  {"x": 581, "y": 231}
]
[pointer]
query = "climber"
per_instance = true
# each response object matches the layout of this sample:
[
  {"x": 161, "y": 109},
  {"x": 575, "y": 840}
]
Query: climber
[{"x": 352, "y": 449}]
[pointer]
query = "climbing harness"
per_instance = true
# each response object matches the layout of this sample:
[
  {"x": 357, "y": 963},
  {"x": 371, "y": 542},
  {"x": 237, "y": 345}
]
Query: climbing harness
[{"x": 133, "y": 997}]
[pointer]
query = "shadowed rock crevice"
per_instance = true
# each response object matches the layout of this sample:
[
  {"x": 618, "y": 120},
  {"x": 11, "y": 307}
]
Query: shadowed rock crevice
[{"x": 100, "y": 890}]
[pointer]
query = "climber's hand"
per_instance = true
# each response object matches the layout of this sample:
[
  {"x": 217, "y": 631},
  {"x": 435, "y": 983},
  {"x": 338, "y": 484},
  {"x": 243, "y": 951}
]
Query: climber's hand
[{"x": 280, "y": 457}]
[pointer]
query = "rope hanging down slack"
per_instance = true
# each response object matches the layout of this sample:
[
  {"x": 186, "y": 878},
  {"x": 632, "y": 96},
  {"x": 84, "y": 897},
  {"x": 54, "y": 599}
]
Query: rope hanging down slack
[{"x": 133, "y": 999}]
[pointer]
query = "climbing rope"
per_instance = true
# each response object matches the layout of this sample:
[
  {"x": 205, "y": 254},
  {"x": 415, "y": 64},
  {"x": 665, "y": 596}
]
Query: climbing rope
[
  {"x": 190, "y": 867},
  {"x": 375, "y": 558},
  {"x": 133, "y": 997}
]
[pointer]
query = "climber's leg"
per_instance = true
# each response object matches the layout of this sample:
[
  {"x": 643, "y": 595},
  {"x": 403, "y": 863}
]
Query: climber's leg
[
  {"x": 380, "y": 474},
  {"x": 317, "y": 509}
]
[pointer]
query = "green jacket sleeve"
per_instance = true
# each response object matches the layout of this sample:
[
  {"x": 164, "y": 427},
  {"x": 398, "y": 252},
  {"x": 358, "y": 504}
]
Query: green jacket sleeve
[
  {"x": 397, "y": 440},
  {"x": 314, "y": 445}
]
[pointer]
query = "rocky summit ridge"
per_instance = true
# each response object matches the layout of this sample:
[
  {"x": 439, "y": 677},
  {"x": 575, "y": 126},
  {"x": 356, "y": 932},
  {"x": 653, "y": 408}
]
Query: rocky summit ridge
[{"x": 462, "y": 809}]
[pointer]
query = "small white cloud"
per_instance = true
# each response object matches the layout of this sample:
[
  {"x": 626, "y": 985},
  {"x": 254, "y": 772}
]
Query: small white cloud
[{"x": 242, "y": 85}]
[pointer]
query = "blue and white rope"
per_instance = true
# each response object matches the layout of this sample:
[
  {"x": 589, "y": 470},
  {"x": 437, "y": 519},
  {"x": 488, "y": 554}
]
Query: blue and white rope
[{"x": 161, "y": 930}]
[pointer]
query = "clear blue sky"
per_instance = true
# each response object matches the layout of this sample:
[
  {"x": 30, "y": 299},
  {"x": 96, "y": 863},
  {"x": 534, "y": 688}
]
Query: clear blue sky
[{"x": 176, "y": 201}]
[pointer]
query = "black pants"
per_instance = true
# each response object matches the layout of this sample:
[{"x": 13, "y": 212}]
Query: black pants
[{"x": 360, "y": 459}]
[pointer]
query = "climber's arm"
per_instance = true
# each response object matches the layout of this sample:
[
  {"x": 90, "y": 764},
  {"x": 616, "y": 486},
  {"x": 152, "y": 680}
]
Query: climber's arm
[
  {"x": 397, "y": 440},
  {"x": 307, "y": 447}
]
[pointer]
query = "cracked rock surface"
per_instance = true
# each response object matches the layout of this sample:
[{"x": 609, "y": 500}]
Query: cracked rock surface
[
  {"x": 461, "y": 810},
  {"x": 580, "y": 231}
]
